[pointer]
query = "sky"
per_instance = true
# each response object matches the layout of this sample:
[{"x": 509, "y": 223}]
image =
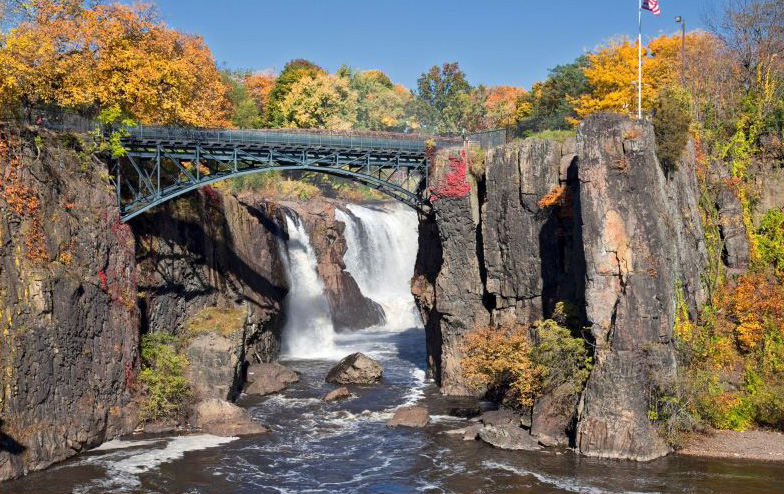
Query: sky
[{"x": 495, "y": 42}]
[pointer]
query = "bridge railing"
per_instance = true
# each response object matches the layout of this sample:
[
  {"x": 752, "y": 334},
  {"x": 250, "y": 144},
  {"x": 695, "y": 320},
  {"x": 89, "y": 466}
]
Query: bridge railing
[{"x": 291, "y": 137}]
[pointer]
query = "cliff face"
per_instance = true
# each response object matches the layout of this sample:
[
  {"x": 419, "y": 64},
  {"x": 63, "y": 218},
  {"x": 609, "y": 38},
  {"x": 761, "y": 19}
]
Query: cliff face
[
  {"x": 68, "y": 316},
  {"x": 619, "y": 241},
  {"x": 642, "y": 238},
  {"x": 211, "y": 250}
]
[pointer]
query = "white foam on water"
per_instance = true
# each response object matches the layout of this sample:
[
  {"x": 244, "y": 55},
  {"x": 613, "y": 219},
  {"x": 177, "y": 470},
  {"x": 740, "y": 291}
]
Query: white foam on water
[
  {"x": 560, "y": 482},
  {"x": 416, "y": 391},
  {"x": 123, "y": 467},
  {"x": 381, "y": 253},
  {"x": 308, "y": 332},
  {"x": 120, "y": 444}
]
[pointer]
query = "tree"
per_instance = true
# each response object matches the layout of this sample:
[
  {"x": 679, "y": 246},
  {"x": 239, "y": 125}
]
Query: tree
[
  {"x": 260, "y": 85},
  {"x": 550, "y": 101},
  {"x": 380, "y": 103},
  {"x": 442, "y": 101},
  {"x": 292, "y": 73},
  {"x": 245, "y": 112},
  {"x": 115, "y": 57},
  {"x": 501, "y": 106},
  {"x": 324, "y": 101}
]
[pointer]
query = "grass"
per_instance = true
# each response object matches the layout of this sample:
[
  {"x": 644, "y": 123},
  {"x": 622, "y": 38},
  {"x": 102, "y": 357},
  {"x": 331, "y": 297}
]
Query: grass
[
  {"x": 220, "y": 321},
  {"x": 553, "y": 135}
]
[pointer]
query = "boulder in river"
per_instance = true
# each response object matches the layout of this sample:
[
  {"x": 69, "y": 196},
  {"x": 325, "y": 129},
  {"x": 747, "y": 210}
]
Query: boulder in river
[
  {"x": 269, "y": 378},
  {"x": 338, "y": 394},
  {"x": 409, "y": 417},
  {"x": 468, "y": 433},
  {"x": 221, "y": 418},
  {"x": 500, "y": 417},
  {"x": 357, "y": 368},
  {"x": 508, "y": 437}
]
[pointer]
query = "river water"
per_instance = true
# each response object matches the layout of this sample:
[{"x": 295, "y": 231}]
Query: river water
[{"x": 345, "y": 447}]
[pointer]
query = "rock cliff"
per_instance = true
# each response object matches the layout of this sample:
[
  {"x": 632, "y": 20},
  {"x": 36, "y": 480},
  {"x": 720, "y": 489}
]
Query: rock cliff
[
  {"x": 616, "y": 244},
  {"x": 68, "y": 316}
]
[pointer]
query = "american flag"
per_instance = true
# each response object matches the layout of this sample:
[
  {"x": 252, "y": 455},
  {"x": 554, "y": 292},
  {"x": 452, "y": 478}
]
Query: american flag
[{"x": 652, "y": 5}]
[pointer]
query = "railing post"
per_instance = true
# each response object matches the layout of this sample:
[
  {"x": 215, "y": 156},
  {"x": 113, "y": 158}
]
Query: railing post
[{"x": 158, "y": 170}]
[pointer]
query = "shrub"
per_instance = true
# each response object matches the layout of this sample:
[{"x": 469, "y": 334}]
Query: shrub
[
  {"x": 165, "y": 389},
  {"x": 555, "y": 197},
  {"x": 770, "y": 240},
  {"x": 561, "y": 358},
  {"x": 671, "y": 121},
  {"x": 500, "y": 358}
]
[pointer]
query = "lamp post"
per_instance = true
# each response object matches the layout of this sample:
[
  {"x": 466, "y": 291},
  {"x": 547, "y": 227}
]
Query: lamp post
[{"x": 682, "y": 22}]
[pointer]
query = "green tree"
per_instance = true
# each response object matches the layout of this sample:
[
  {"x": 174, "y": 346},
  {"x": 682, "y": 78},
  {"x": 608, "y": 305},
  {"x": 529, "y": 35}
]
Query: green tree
[
  {"x": 671, "y": 121},
  {"x": 292, "y": 73},
  {"x": 550, "y": 100},
  {"x": 245, "y": 111},
  {"x": 442, "y": 101}
]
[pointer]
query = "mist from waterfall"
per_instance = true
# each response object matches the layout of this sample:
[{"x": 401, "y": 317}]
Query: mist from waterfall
[
  {"x": 308, "y": 332},
  {"x": 382, "y": 249}
]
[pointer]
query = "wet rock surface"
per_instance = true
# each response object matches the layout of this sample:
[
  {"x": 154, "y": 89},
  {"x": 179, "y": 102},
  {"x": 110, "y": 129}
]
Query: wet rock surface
[
  {"x": 508, "y": 437},
  {"x": 356, "y": 368},
  {"x": 338, "y": 394},
  {"x": 268, "y": 378},
  {"x": 409, "y": 417},
  {"x": 221, "y": 418}
]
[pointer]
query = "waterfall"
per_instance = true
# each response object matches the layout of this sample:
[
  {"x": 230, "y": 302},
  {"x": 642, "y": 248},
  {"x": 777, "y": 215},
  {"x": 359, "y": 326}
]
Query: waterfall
[
  {"x": 382, "y": 249},
  {"x": 308, "y": 332}
]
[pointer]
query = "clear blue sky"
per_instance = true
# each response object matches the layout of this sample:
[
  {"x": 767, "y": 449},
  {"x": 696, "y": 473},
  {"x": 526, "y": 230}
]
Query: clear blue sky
[{"x": 496, "y": 42}]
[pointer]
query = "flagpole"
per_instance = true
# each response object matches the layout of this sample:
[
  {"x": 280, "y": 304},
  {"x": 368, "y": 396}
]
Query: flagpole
[{"x": 639, "y": 60}]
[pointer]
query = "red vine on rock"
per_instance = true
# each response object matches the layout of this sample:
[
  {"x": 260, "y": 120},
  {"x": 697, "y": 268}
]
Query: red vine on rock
[{"x": 454, "y": 183}]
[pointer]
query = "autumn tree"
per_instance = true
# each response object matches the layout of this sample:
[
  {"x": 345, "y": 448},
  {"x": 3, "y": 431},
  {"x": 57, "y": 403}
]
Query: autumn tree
[
  {"x": 323, "y": 101},
  {"x": 442, "y": 100},
  {"x": 293, "y": 72},
  {"x": 550, "y": 102},
  {"x": 381, "y": 104},
  {"x": 501, "y": 106},
  {"x": 244, "y": 111},
  {"x": 260, "y": 85},
  {"x": 110, "y": 56}
]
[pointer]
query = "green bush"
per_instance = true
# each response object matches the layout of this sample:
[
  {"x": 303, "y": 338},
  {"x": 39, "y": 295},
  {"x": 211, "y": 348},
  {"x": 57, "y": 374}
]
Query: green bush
[
  {"x": 671, "y": 122},
  {"x": 166, "y": 391},
  {"x": 561, "y": 358},
  {"x": 770, "y": 239}
]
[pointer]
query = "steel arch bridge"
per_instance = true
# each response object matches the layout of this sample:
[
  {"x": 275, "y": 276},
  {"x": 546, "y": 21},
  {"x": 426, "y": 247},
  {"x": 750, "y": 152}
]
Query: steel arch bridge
[{"x": 162, "y": 163}]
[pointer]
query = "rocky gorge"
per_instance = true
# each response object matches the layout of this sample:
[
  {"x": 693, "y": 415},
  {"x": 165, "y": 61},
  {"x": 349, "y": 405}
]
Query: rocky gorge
[{"x": 620, "y": 244}]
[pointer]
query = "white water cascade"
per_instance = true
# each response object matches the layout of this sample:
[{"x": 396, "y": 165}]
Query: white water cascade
[
  {"x": 308, "y": 332},
  {"x": 382, "y": 249}
]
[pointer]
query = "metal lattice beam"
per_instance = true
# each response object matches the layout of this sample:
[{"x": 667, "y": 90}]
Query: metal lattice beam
[{"x": 162, "y": 163}]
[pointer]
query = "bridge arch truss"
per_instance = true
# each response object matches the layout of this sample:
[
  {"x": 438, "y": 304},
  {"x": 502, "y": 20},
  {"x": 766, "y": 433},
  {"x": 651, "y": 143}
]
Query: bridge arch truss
[{"x": 162, "y": 163}]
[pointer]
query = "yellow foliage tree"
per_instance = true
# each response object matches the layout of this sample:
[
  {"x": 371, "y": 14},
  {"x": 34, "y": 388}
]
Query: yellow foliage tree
[
  {"x": 325, "y": 101},
  {"x": 612, "y": 72},
  {"x": 111, "y": 56},
  {"x": 501, "y": 357}
]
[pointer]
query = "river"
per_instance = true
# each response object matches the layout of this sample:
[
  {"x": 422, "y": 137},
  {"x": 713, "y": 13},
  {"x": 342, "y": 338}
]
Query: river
[{"x": 345, "y": 447}]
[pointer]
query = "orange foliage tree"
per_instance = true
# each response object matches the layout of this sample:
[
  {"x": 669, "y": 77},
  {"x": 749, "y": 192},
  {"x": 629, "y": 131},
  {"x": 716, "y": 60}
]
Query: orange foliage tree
[
  {"x": 260, "y": 84},
  {"x": 111, "y": 56},
  {"x": 501, "y": 105}
]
